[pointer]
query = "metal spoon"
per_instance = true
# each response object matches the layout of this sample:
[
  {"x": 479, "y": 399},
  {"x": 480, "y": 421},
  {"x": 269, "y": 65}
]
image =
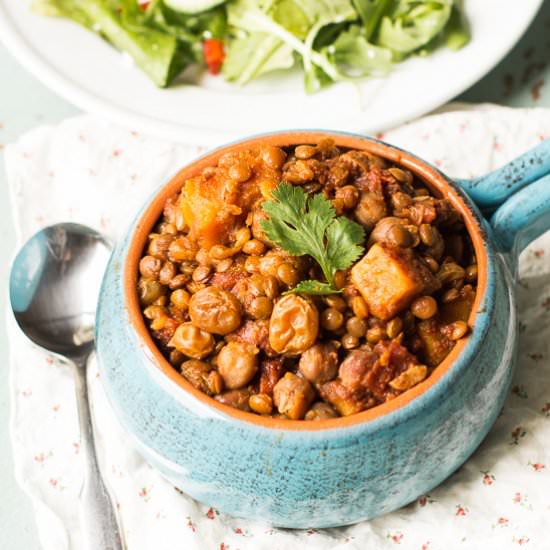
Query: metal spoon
[{"x": 54, "y": 286}]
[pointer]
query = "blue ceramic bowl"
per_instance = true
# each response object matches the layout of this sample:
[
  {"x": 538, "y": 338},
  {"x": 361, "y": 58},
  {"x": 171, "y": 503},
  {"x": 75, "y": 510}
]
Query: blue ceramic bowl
[{"x": 339, "y": 471}]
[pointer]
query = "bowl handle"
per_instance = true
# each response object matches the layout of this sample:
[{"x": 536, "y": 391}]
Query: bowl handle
[
  {"x": 493, "y": 189},
  {"x": 523, "y": 217}
]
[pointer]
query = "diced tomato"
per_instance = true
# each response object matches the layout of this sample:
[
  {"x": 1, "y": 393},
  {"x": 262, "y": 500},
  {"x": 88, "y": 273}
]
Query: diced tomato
[
  {"x": 214, "y": 54},
  {"x": 143, "y": 5}
]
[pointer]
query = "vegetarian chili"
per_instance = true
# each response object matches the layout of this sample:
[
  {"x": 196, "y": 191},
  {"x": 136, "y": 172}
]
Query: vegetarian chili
[{"x": 307, "y": 282}]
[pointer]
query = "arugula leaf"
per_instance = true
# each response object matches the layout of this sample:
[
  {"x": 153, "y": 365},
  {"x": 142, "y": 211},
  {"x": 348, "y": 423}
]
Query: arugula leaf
[{"x": 307, "y": 225}]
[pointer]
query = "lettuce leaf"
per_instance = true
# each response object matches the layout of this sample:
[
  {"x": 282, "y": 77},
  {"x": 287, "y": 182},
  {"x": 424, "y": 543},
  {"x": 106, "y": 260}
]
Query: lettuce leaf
[
  {"x": 371, "y": 12},
  {"x": 122, "y": 23},
  {"x": 411, "y": 24},
  {"x": 255, "y": 54},
  {"x": 296, "y": 23},
  {"x": 355, "y": 57},
  {"x": 334, "y": 40}
]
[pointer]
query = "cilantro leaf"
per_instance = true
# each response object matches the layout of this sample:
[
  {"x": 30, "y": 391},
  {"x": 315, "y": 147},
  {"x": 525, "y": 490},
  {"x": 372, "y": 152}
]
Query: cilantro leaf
[
  {"x": 308, "y": 225},
  {"x": 312, "y": 287},
  {"x": 342, "y": 238}
]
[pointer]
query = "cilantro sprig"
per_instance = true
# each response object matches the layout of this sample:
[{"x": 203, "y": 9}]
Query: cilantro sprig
[{"x": 305, "y": 224}]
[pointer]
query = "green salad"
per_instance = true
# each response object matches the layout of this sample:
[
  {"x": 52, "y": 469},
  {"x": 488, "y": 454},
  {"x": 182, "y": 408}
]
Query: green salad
[{"x": 331, "y": 40}]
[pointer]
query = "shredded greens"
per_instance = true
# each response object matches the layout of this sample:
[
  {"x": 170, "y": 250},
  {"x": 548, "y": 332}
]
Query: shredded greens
[
  {"x": 307, "y": 225},
  {"x": 332, "y": 40}
]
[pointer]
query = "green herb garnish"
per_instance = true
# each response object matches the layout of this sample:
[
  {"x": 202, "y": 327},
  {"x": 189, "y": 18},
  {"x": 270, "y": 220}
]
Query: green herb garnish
[{"x": 305, "y": 224}]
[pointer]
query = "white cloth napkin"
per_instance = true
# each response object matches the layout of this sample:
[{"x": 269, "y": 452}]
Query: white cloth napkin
[{"x": 87, "y": 171}]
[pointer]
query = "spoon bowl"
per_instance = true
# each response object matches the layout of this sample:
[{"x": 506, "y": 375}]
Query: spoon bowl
[{"x": 54, "y": 285}]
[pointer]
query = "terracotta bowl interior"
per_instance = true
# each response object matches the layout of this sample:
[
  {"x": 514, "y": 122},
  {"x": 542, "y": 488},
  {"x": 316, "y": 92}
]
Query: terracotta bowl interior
[{"x": 431, "y": 177}]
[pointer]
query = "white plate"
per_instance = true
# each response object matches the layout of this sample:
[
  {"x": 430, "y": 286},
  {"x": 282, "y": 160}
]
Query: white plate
[{"x": 88, "y": 72}]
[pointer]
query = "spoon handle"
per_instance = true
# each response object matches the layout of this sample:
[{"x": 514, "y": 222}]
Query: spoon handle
[{"x": 99, "y": 524}]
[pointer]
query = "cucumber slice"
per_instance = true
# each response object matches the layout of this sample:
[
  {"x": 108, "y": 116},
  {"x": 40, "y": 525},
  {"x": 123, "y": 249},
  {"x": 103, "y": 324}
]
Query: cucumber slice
[{"x": 192, "y": 6}]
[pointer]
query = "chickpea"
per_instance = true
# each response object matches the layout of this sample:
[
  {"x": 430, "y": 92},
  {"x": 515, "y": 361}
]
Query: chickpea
[
  {"x": 149, "y": 267},
  {"x": 424, "y": 307},
  {"x": 294, "y": 325},
  {"x": 332, "y": 319},
  {"x": 261, "y": 403},
  {"x": 215, "y": 310},
  {"x": 319, "y": 363},
  {"x": 237, "y": 364},
  {"x": 149, "y": 290},
  {"x": 192, "y": 341},
  {"x": 293, "y": 395}
]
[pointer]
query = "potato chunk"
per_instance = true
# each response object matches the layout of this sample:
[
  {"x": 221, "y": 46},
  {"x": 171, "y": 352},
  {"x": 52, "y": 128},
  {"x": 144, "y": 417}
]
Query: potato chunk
[
  {"x": 436, "y": 345},
  {"x": 390, "y": 278}
]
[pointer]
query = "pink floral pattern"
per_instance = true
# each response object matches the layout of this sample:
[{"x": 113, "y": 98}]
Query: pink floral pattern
[{"x": 495, "y": 501}]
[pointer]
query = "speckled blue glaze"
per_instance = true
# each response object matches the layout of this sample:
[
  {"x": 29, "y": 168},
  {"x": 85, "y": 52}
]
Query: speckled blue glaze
[
  {"x": 493, "y": 189},
  {"x": 329, "y": 477}
]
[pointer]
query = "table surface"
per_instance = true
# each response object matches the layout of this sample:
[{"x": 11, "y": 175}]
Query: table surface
[{"x": 518, "y": 81}]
